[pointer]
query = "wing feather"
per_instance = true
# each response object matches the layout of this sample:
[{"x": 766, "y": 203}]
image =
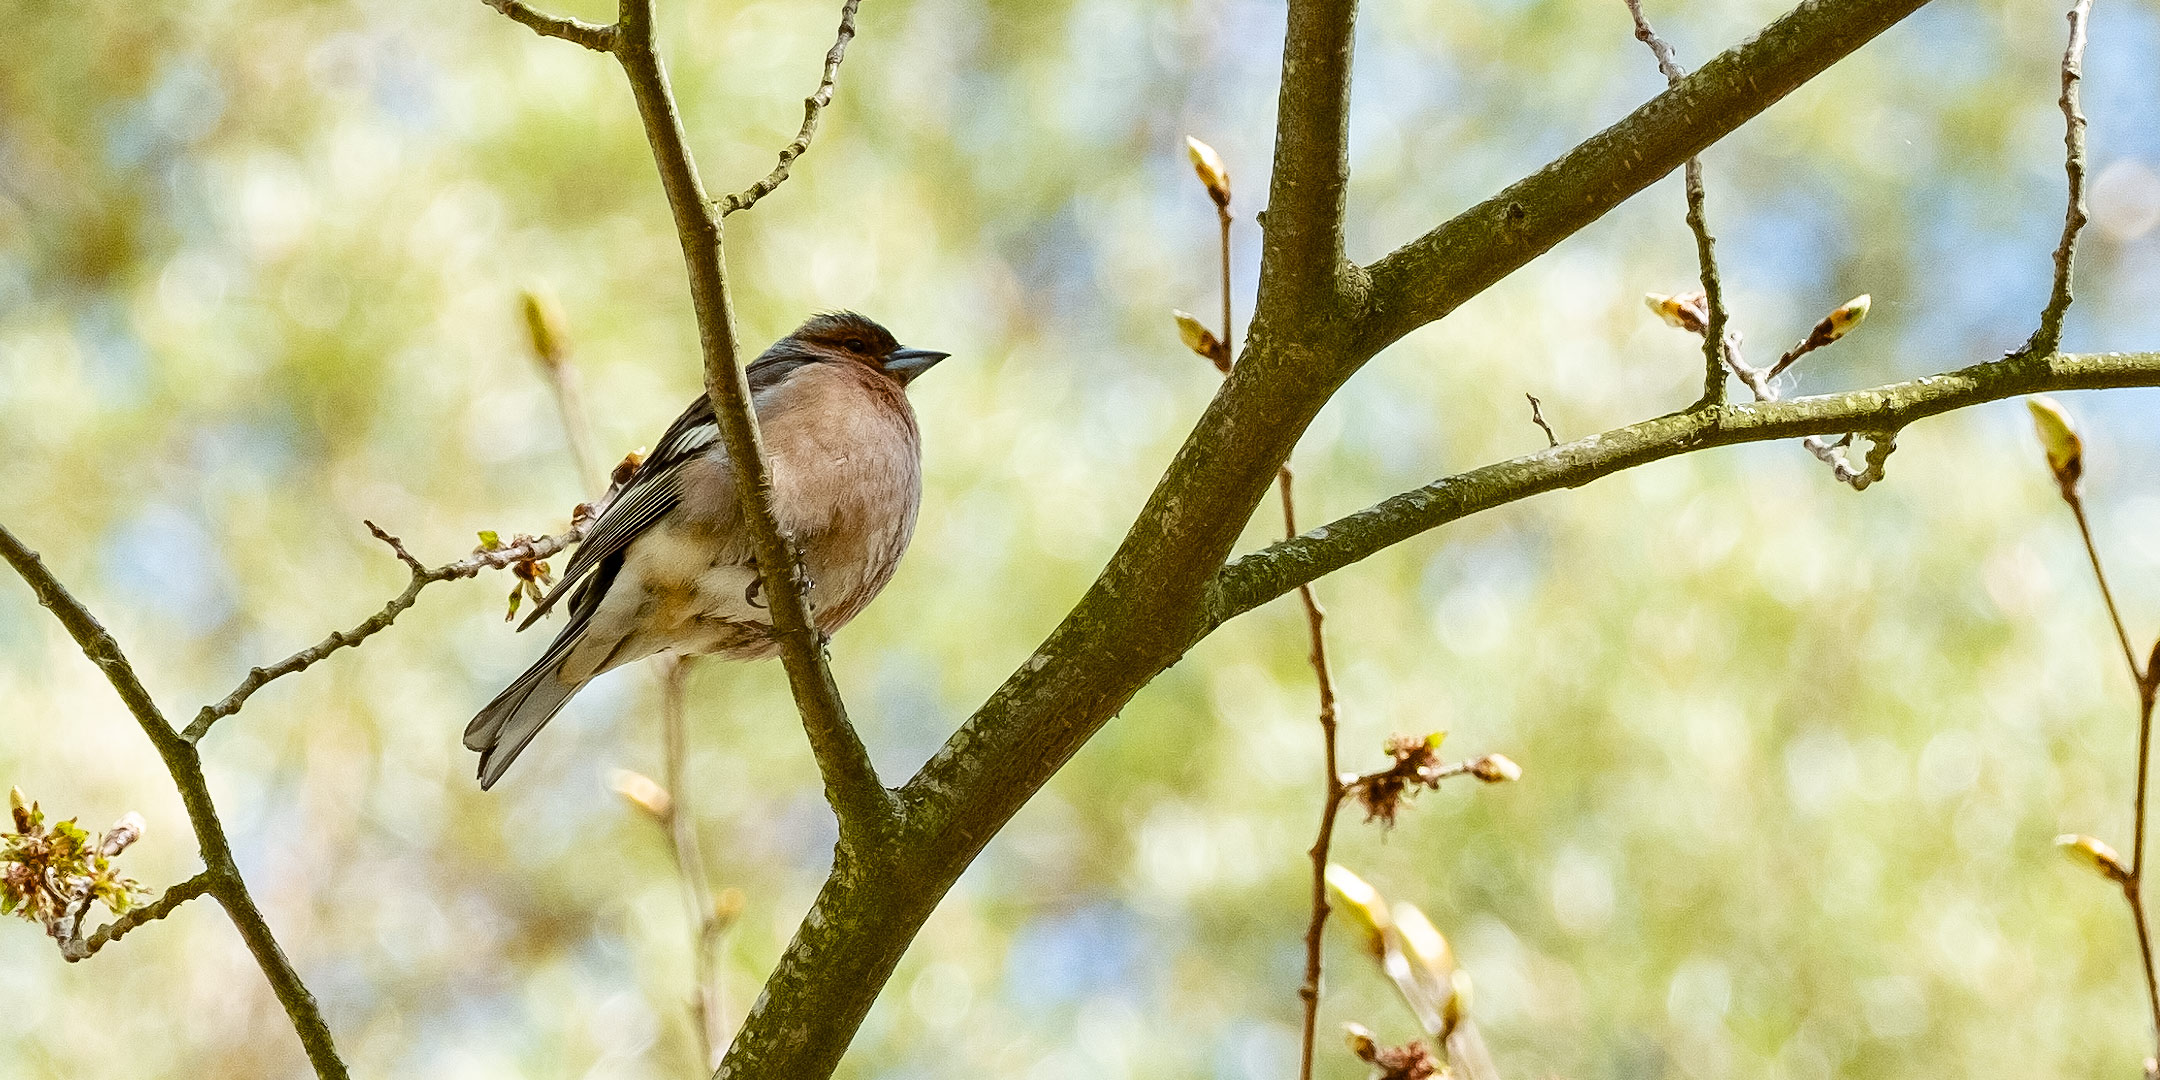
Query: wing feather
[{"x": 657, "y": 486}]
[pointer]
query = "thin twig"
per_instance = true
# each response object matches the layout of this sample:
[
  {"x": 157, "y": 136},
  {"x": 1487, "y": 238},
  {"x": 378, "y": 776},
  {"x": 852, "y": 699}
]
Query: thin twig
[
  {"x": 2148, "y": 687},
  {"x": 78, "y": 948},
  {"x": 1714, "y": 334},
  {"x": 593, "y": 36},
  {"x": 813, "y": 108},
  {"x": 422, "y": 577},
  {"x": 2049, "y": 335},
  {"x": 708, "y": 1008},
  {"x": 1537, "y": 416},
  {"x": 1315, "y": 617}
]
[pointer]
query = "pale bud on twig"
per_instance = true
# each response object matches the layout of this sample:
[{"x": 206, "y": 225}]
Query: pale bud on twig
[
  {"x": 1424, "y": 943},
  {"x": 2095, "y": 854},
  {"x": 1843, "y": 320},
  {"x": 728, "y": 906},
  {"x": 643, "y": 792},
  {"x": 124, "y": 833},
  {"x": 1683, "y": 311},
  {"x": 1361, "y": 1041},
  {"x": 1458, "y": 1003},
  {"x": 544, "y": 323},
  {"x": 1209, "y": 165},
  {"x": 19, "y": 809},
  {"x": 1496, "y": 769},
  {"x": 1832, "y": 327},
  {"x": 1364, "y": 905},
  {"x": 1200, "y": 339},
  {"x": 2065, "y": 451}
]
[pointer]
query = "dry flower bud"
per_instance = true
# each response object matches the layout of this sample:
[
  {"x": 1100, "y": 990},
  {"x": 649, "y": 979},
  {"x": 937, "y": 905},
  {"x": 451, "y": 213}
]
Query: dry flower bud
[
  {"x": 1496, "y": 769},
  {"x": 1361, "y": 1041},
  {"x": 2095, "y": 854},
  {"x": 627, "y": 467},
  {"x": 544, "y": 322},
  {"x": 1208, "y": 164},
  {"x": 642, "y": 792},
  {"x": 123, "y": 834},
  {"x": 1411, "y": 1062},
  {"x": 2065, "y": 451},
  {"x": 19, "y": 809},
  {"x": 1683, "y": 311}
]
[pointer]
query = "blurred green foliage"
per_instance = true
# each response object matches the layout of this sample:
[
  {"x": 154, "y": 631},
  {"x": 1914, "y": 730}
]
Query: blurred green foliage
[{"x": 1793, "y": 756}]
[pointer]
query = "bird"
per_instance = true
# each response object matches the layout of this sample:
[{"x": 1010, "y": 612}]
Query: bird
[{"x": 670, "y": 567}]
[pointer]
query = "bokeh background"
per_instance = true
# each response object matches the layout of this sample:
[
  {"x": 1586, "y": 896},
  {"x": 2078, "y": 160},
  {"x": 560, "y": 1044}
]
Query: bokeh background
[{"x": 1793, "y": 755}]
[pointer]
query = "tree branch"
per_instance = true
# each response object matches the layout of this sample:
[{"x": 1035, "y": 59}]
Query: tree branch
[
  {"x": 1430, "y": 276},
  {"x": 1263, "y": 575},
  {"x": 1152, "y": 601},
  {"x": 813, "y": 107},
  {"x": 1302, "y": 269},
  {"x": 866, "y": 809},
  {"x": 185, "y": 767},
  {"x": 591, "y": 35}
]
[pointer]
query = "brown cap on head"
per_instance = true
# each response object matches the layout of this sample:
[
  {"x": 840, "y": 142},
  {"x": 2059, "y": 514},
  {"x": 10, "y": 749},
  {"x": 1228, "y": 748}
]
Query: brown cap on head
[{"x": 848, "y": 334}]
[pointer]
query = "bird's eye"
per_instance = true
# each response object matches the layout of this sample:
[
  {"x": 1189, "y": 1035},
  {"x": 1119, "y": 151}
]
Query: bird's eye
[{"x": 855, "y": 344}]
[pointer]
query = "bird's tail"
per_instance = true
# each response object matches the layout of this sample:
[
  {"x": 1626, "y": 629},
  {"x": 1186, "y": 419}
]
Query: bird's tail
[{"x": 510, "y": 721}]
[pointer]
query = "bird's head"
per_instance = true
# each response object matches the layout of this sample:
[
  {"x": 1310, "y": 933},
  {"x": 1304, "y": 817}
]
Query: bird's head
[{"x": 844, "y": 335}]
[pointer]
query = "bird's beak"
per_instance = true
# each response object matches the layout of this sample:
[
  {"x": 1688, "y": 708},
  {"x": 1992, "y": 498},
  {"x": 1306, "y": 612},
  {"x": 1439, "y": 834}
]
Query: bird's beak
[{"x": 905, "y": 364}]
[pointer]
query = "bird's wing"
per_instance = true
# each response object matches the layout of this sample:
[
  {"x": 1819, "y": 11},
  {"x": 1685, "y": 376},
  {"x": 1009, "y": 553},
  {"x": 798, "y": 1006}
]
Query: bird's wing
[{"x": 657, "y": 486}]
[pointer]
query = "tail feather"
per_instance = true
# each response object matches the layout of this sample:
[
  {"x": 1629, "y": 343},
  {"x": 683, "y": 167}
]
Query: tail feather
[
  {"x": 502, "y": 730},
  {"x": 517, "y": 714}
]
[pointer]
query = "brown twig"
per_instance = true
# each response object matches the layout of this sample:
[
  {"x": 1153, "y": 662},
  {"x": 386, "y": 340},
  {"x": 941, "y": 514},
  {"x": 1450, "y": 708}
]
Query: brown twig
[
  {"x": 593, "y": 36},
  {"x": 422, "y": 577},
  {"x": 1537, "y": 416},
  {"x": 1714, "y": 334},
  {"x": 2049, "y": 336},
  {"x": 2147, "y": 679},
  {"x": 813, "y": 108},
  {"x": 78, "y": 948},
  {"x": 708, "y": 1006}
]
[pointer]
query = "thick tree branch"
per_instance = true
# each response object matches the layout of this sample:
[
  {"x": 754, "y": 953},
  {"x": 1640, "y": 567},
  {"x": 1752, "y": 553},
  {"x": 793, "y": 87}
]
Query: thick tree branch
[
  {"x": 813, "y": 108},
  {"x": 1430, "y": 276},
  {"x": 1263, "y": 575},
  {"x": 1302, "y": 269},
  {"x": 866, "y": 809},
  {"x": 185, "y": 767}
]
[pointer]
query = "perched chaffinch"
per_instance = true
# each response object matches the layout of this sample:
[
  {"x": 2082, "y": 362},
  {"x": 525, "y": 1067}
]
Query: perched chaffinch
[{"x": 669, "y": 567}]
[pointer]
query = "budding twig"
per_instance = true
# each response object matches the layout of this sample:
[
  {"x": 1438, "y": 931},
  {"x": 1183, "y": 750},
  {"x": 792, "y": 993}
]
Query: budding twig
[
  {"x": 2066, "y": 460},
  {"x": 813, "y": 108},
  {"x": 1715, "y": 345},
  {"x": 2049, "y": 335},
  {"x": 1537, "y": 416}
]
